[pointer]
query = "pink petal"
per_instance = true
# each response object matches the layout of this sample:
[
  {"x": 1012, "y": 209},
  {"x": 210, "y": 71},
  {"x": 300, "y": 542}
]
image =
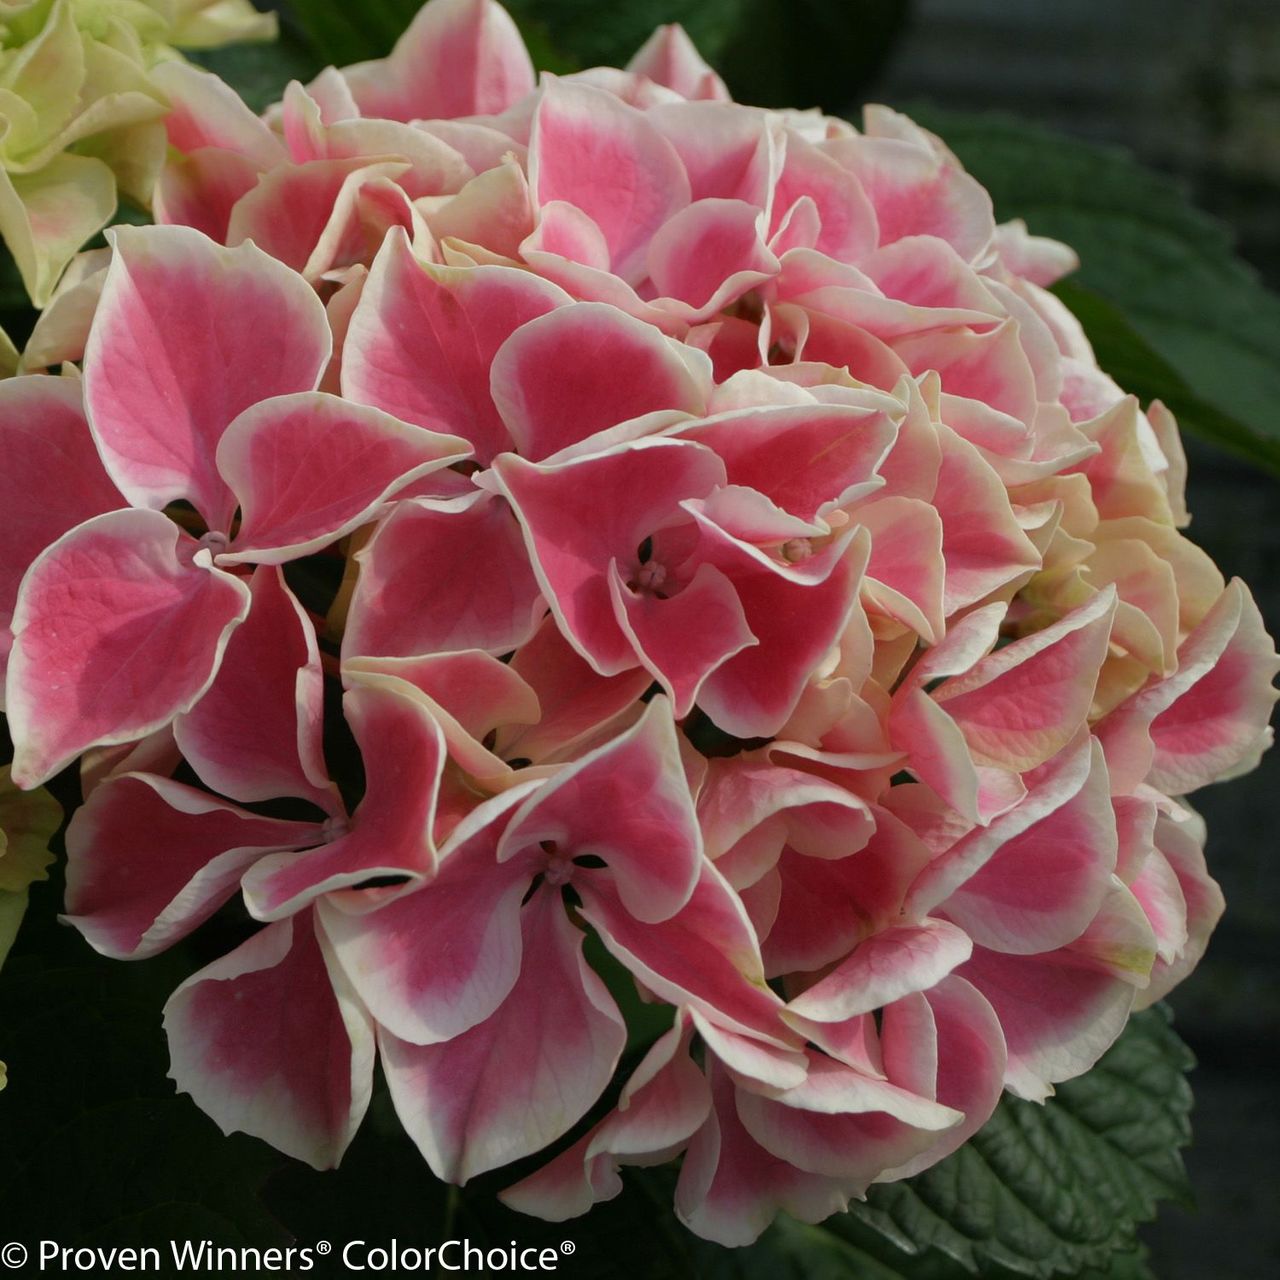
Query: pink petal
[
  {"x": 706, "y": 955},
  {"x": 309, "y": 468},
  {"x": 627, "y": 803},
  {"x": 566, "y": 375},
  {"x": 576, "y": 704},
  {"x": 709, "y": 254},
  {"x": 392, "y": 830},
  {"x": 731, "y": 1188},
  {"x": 525, "y": 1075},
  {"x": 1022, "y": 704},
  {"x": 255, "y": 734},
  {"x": 458, "y": 58},
  {"x": 796, "y": 612},
  {"x": 681, "y": 639},
  {"x": 206, "y": 112},
  {"x": 269, "y": 1041},
  {"x": 148, "y": 860},
  {"x": 435, "y": 962},
  {"x": 117, "y": 630},
  {"x": 846, "y": 219},
  {"x": 580, "y": 515},
  {"x": 164, "y": 378},
  {"x": 43, "y": 435},
  {"x": 887, "y": 966},
  {"x": 594, "y": 152},
  {"x": 669, "y": 58},
  {"x": 663, "y": 1103},
  {"x": 422, "y": 340},
  {"x": 201, "y": 190},
  {"x": 806, "y": 458},
  {"x": 442, "y": 576},
  {"x": 971, "y": 1060}
]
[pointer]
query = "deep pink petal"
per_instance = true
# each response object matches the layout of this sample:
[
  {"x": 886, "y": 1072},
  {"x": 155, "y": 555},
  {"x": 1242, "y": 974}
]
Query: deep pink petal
[
  {"x": 597, "y": 153},
  {"x": 579, "y": 369},
  {"x": 458, "y": 58},
  {"x": 164, "y": 377},
  {"x": 255, "y": 733},
  {"x": 628, "y": 803},
  {"x": 309, "y": 468},
  {"x": 148, "y": 860},
  {"x": 392, "y": 832},
  {"x": 442, "y": 576},
  {"x": 521, "y": 1078},
  {"x": 423, "y": 338},
  {"x": 269, "y": 1041},
  {"x": 52, "y": 477},
  {"x": 580, "y": 515},
  {"x": 117, "y": 630}
]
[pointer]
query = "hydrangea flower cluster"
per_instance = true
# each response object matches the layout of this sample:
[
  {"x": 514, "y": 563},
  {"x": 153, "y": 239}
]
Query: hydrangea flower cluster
[
  {"x": 82, "y": 99},
  {"x": 740, "y": 584}
]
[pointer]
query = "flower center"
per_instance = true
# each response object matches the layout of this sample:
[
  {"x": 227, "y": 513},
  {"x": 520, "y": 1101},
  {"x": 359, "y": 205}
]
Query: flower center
[
  {"x": 215, "y": 541},
  {"x": 796, "y": 549}
]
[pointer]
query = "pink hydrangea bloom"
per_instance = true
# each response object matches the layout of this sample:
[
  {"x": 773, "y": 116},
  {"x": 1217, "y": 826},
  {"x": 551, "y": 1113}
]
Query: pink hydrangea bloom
[{"x": 735, "y": 557}]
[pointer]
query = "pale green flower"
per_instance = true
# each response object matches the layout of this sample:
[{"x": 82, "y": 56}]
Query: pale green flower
[
  {"x": 28, "y": 820},
  {"x": 80, "y": 117}
]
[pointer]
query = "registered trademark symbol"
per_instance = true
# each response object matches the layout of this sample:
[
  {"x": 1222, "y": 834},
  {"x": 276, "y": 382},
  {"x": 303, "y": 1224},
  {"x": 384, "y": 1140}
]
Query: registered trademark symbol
[
  {"x": 324, "y": 1247},
  {"x": 567, "y": 1247}
]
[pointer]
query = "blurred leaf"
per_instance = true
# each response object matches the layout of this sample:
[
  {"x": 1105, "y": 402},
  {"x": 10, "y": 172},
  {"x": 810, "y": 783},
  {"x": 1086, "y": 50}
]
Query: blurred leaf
[{"x": 1171, "y": 306}]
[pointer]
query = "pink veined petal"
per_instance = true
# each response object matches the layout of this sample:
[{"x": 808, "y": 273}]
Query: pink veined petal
[
  {"x": 1048, "y": 790},
  {"x": 982, "y": 544},
  {"x": 731, "y": 1188},
  {"x": 990, "y": 367},
  {"x": 299, "y": 213},
  {"x": 1189, "y": 728},
  {"x": 906, "y": 572},
  {"x": 846, "y": 219},
  {"x": 458, "y": 58},
  {"x": 670, "y": 58},
  {"x": 117, "y": 630},
  {"x": 597, "y": 153},
  {"x": 1182, "y": 849},
  {"x": 423, "y": 338},
  {"x": 887, "y": 966},
  {"x": 627, "y": 803},
  {"x": 796, "y": 612},
  {"x": 43, "y": 435},
  {"x": 309, "y": 468},
  {"x": 201, "y": 190},
  {"x": 564, "y": 376},
  {"x": 443, "y": 576},
  {"x": 576, "y": 704},
  {"x": 1041, "y": 889},
  {"x": 662, "y": 1105},
  {"x": 436, "y": 961},
  {"x": 255, "y": 733},
  {"x": 392, "y": 832},
  {"x": 709, "y": 254},
  {"x": 1050, "y": 1040},
  {"x": 805, "y": 458},
  {"x": 756, "y": 1063},
  {"x": 728, "y": 153},
  {"x": 521, "y": 1078},
  {"x": 164, "y": 377},
  {"x": 971, "y": 1060},
  {"x": 843, "y": 1124},
  {"x": 580, "y": 515},
  {"x": 706, "y": 955},
  {"x": 205, "y": 112},
  {"x": 681, "y": 639},
  {"x": 1021, "y": 705},
  {"x": 148, "y": 860},
  {"x": 269, "y": 1041}
]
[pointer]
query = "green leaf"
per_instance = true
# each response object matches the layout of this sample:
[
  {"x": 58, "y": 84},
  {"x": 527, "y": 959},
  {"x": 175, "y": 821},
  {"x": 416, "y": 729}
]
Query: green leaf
[
  {"x": 1187, "y": 320},
  {"x": 1052, "y": 1190}
]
